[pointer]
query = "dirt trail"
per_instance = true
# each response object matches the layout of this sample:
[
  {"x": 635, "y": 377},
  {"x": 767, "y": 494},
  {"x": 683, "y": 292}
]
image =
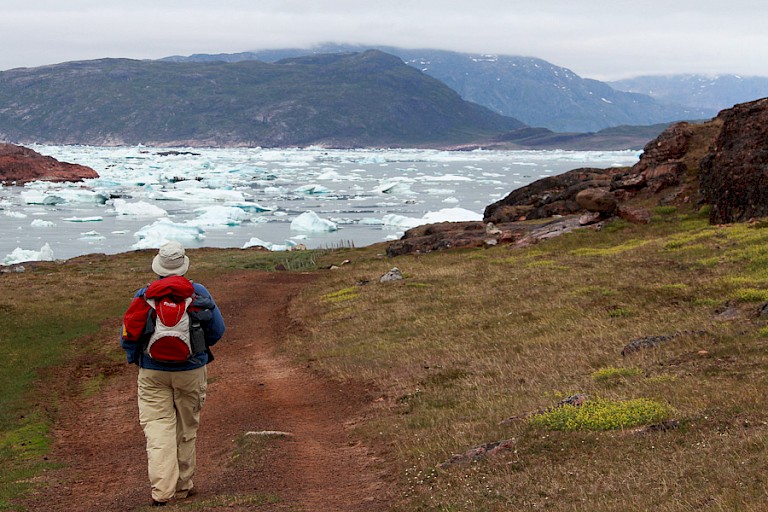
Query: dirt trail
[{"x": 252, "y": 389}]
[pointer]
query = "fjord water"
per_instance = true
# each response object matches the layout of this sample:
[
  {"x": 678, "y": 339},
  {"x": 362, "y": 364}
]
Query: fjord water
[{"x": 232, "y": 197}]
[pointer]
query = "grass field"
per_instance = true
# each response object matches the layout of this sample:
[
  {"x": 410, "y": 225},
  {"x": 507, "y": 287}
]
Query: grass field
[{"x": 478, "y": 346}]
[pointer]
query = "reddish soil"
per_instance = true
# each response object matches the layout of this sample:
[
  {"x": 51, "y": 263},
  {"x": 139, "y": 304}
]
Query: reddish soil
[{"x": 253, "y": 388}]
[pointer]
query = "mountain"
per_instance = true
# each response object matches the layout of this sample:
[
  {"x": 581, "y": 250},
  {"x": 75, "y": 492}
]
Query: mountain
[
  {"x": 344, "y": 99},
  {"x": 699, "y": 91},
  {"x": 532, "y": 90}
]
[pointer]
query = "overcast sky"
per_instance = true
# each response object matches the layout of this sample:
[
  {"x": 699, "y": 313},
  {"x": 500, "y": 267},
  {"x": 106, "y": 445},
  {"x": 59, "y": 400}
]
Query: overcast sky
[{"x": 595, "y": 38}]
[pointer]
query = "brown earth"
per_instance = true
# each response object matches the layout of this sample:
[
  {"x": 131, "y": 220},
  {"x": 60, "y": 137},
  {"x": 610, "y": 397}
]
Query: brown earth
[{"x": 253, "y": 388}]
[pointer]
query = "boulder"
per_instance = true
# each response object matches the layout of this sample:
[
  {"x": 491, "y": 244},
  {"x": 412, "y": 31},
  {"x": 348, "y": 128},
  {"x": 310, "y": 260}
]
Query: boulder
[
  {"x": 554, "y": 195},
  {"x": 393, "y": 275},
  {"x": 598, "y": 200},
  {"x": 735, "y": 171},
  {"x": 20, "y": 165}
]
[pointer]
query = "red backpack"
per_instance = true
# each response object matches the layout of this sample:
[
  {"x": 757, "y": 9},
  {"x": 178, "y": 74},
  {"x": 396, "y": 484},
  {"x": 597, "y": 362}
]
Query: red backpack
[
  {"x": 171, "y": 342},
  {"x": 163, "y": 312}
]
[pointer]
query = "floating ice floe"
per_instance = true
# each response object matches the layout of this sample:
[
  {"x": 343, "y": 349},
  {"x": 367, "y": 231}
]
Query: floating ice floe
[
  {"x": 219, "y": 216},
  {"x": 397, "y": 187},
  {"x": 253, "y": 207},
  {"x": 369, "y": 221},
  {"x": 312, "y": 223},
  {"x": 200, "y": 195},
  {"x": 137, "y": 209},
  {"x": 91, "y": 236},
  {"x": 84, "y": 219},
  {"x": 274, "y": 191},
  {"x": 20, "y": 255},
  {"x": 447, "y": 177},
  {"x": 40, "y": 223},
  {"x": 312, "y": 189},
  {"x": 42, "y": 192},
  {"x": 15, "y": 215},
  {"x": 257, "y": 242},
  {"x": 161, "y": 231},
  {"x": 41, "y": 197}
]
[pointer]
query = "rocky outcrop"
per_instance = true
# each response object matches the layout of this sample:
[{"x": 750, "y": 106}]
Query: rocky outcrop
[
  {"x": 20, "y": 165},
  {"x": 661, "y": 167},
  {"x": 554, "y": 195},
  {"x": 722, "y": 162},
  {"x": 734, "y": 175}
]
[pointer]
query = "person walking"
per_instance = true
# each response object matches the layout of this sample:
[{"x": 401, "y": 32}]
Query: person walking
[{"x": 168, "y": 331}]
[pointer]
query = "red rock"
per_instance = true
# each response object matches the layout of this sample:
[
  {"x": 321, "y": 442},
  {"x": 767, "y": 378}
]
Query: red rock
[{"x": 21, "y": 165}]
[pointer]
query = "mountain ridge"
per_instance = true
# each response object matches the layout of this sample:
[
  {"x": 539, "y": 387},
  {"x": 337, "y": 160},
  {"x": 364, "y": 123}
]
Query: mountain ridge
[
  {"x": 714, "y": 93},
  {"x": 343, "y": 100},
  {"x": 530, "y": 89}
]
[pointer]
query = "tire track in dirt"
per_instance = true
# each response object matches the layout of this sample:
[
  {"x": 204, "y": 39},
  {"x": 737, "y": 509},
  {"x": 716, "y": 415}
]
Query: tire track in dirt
[{"x": 253, "y": 388}]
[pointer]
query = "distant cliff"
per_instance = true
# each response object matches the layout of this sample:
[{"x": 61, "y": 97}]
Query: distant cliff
[{"x": 339, "y": 100}]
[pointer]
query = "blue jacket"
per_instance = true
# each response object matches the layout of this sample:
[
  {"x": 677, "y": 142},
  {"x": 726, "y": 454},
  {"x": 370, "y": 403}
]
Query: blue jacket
[{"x": 213, "y": 329}]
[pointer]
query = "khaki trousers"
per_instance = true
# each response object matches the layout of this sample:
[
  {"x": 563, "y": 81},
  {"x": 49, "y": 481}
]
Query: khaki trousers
[{"x": 169, "y": 413}]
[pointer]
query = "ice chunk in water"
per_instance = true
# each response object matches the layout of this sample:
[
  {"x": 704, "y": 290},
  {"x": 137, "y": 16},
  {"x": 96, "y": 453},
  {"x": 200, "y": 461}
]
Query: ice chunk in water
[
  {"x": 312, "y": 189},
  {"x": 20, "y": 255},
  {"x": 163, "y": 230},
  {"x": 40, "y": 223},
  {"x": 220, "y": 216},
  {"x": 41, "y": 197},
  {"x": 311, "y": 222},
  {"x": 138, "y": 209}
]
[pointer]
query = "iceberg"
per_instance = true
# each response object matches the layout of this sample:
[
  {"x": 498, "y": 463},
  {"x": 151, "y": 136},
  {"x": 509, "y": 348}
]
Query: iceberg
[
  {"x": 394, "y": 187},
  {"x": 40, "y": 223},
  {"x": 84, "y": 219},
  {"x": 15, "y": 215},
  {"x": 138, "y": 209},
  {"x": 82, "y": 195},
  {"x": 253, "y": 207},
  {"x": 41, "y": 197},
  {"x": 20, "y": 255},
  {"x": 219, "y": 216},
  {"x": 164, "y": 230},
  {"x": 91, "y": 236},
  {"x": 200, "y": 195},
  {"x": 312, "y": 189},
  {"x": 257, "y": 242},
  {"x": 312, "y": 223}
]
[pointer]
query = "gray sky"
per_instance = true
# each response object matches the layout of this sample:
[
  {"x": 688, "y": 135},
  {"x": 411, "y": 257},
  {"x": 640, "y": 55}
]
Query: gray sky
[{"x": 595, "y": 38}]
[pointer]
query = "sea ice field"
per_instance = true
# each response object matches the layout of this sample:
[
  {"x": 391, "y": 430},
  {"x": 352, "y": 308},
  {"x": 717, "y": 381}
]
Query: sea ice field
[{"x": 277, "y": 198}]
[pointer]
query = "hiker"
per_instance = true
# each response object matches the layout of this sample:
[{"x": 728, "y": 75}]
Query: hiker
[{"x": 167, "y": 331}]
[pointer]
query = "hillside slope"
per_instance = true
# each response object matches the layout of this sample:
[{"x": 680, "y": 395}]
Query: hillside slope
[
  {"x": 532, "y": 90},
  {"x": 360, "y": 99}
]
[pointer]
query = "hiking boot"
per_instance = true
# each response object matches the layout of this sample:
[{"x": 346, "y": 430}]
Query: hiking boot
[
  {"x": 180, "y": 495},
  {"x": 156, "y": 503}
]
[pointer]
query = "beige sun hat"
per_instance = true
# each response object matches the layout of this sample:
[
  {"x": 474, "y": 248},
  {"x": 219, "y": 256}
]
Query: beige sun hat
[{"x": 170, "y": 260}]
